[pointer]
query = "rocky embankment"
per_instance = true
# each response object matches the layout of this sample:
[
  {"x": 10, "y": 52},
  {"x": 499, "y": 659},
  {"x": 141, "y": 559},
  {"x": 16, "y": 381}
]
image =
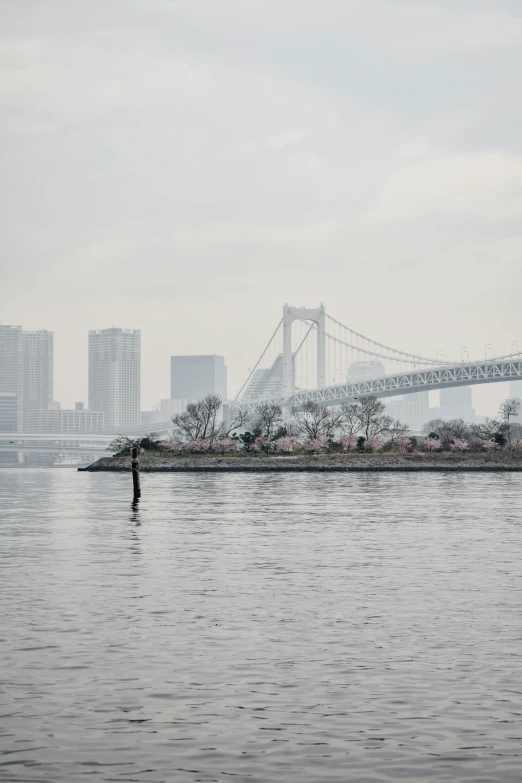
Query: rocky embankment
[{"x": 164, "y": 463}]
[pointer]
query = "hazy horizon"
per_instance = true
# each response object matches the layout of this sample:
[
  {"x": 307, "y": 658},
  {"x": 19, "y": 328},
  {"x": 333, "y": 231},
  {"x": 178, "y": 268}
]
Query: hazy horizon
[{"x": 187, "y": 167}]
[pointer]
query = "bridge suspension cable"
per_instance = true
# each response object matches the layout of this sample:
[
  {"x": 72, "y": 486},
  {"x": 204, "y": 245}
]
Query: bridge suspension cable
[
  {"x": 358, "y": 348},
  {"x": 423, "y": 359},
  {"x": 267, "y": 346}
]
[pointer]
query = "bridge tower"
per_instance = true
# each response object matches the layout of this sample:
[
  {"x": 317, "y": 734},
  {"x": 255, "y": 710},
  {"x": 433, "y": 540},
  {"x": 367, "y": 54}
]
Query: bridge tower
[{"x": 291, "y": 314}]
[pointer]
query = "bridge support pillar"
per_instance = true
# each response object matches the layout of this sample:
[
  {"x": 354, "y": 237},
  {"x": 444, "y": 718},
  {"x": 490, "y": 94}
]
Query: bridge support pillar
[{"x": 291, "y": 314}]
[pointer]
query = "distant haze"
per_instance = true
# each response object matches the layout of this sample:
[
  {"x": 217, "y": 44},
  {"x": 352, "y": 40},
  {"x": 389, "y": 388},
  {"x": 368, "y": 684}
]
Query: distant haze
[{"x": 185, "y": 167}]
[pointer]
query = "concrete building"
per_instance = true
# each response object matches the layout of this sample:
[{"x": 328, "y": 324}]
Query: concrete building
[
  {"x": 169, "y": 408},
  {"x": 114, "y": 376},
  {"x": 26, "y": 369},
  {"x": 11, "y": 366},
  {"x": 267, "y": 383},
  {"x": 411, "y": 409},
  {"x": 193, "y": 377},
  {"x": 38, "y": 357},
  {"x": 8, "y": 412},
  {"x": 456, "y": 403},
  {"x": 148, "y": 419},
  {"x": 65, "y": 421}
]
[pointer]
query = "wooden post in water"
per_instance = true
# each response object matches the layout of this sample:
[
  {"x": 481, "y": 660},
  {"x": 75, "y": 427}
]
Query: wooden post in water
[{"x": 135, "y": 466}]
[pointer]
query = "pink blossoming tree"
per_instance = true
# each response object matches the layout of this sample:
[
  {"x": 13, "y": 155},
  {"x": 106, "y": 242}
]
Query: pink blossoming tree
[
  {"x": 459, "y": 445},
  {"x": 285, "y": 444},
  {"x": 403, "y": 443},
  {"x": 348, "y": 442},
  {"x": 374, "y": 443},
  {"x": 261, "y": 444},
  {"x": 316, "y": 444},
  {"x": 197, "y": 445},
  {"x": 489, "y": 445},
  {"x": 169, "y": 444},
  {"x": 432, "y": 444},
  {"x": 225, "y": 445}
]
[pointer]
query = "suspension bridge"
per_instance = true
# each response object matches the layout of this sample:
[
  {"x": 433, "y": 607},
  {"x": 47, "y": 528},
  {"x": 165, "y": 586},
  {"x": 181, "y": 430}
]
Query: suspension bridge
[{"x": 312, "y": 356}]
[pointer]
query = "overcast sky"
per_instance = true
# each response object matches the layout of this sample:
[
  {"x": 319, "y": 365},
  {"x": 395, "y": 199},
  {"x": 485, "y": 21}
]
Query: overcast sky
[{"x": 187, "y": 166}]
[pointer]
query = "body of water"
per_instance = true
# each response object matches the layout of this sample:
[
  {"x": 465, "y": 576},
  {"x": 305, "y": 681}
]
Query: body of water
[{"x": 295, "y": 628}]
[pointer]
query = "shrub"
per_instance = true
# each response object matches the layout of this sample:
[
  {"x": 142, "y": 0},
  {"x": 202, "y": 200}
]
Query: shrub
[
  {"x": 316, "y": 444},
  {"x": 348, "y": 442},
  {"x": 261, "y": 444},
  {"x": 489, "y": 445},
  {"x": 374, "y": 443},
  {"x": 459, "y": 445},
  {"x": 197, "y": 445},
  {"x": 432, "y": 444},
  {"x": 285, "y": 444},
  {"x": 225, "y": 445},
  {"x": 403, "y": 443}
]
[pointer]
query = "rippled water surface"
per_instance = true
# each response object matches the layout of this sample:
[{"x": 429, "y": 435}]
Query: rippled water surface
[{"x": 304, "y": 627}]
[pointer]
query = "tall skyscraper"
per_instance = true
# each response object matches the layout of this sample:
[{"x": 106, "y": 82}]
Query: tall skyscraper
[
  {"x": 8, "y": 412},
  {"x": 38, "y": 354},
  {"x": 457, "y": 403},
  {"x": 193, "y": 377},
  {"x": 11, "y": 370},
  {"x": 411, "y": 409},
  {"x": 26, "y": 369},
  {"x": 114, "y": 376}
]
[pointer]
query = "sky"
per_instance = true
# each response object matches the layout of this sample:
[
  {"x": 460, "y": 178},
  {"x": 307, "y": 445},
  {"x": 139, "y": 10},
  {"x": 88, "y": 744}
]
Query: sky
[{"x": 186, "y": 167}]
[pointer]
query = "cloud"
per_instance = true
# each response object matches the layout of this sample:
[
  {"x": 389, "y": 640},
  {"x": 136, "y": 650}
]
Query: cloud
[{"x": 168, "y": 157}]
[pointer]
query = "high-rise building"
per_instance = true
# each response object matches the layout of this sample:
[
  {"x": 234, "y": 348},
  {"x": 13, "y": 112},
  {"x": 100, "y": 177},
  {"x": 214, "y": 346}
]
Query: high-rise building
[
  {"x": 193, "y": 377},
  {"x": 114, "y": 376},
  {"x": 8, "y": 412},
  {"x": 37, "y": 393},
  {"x": 26, "y": 369},
  {"x": 411, "y": 409},
  {"x": 456, "y": 403},
  {"x": 11, "y": 367}
]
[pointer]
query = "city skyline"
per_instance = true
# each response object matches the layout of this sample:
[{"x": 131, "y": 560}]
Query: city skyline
[
  {"x": 387, "y": 185},
  {"x": 437, "y": 403}
]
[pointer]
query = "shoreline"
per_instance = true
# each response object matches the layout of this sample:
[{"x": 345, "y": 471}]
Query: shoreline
[{"x": 324, "y": 463}]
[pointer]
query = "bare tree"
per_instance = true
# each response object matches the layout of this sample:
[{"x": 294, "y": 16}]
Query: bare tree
[
  {"x": 199, "y": 420},
  {"x": 508, "y": 410},
  {"x": 487, "y": 430},
  {"x": 370, "y": 412},
  {"x": 396, "y": 430},
  {"x": 122, "y": 443},
  {"x": 350, "y": 423},
  {"x": 268, "y": 419},
  {"x": 450, "y": 430},
  {"x": 315, "y": 420},
  {"x": 239, "y": 418},
  {"x": 433, "y": 425}
]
